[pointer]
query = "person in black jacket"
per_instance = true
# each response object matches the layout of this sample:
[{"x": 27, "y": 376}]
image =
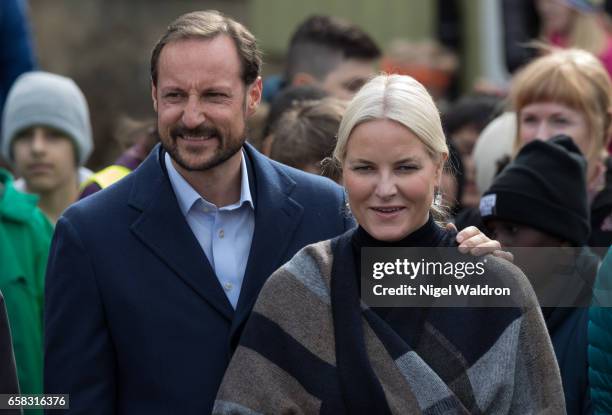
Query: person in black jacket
[{"x": 540, "y": 201}]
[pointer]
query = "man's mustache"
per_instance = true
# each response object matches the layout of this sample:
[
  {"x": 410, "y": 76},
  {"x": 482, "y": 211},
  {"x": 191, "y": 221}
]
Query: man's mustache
[{"x": 199, "y": 131}]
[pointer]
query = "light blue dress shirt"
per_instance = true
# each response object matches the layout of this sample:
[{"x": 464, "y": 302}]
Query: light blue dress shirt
[{"x": 225, "y": 233}]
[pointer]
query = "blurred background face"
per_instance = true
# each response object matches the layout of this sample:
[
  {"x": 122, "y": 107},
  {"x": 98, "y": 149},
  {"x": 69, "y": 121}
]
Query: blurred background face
[
  {"x": 390, "y": 179},
  {"x": 45, "y": 158},
  {"x": 555, "y": 15},
  {"x": 510, "y": 234},
  {"x": 347, "y": 78},
  {"x": 543, "y": 120}
]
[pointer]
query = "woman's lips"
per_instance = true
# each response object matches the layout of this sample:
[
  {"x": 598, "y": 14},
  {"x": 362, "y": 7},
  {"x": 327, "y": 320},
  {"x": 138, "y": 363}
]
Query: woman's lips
[{"x": 388, "y": 212}]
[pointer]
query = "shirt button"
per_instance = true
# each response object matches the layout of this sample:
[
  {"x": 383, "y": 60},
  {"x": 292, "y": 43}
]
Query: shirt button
[
  {"x": 221, "y": 234},
  {"x": 227, "y": 286},
  {"x": 206, "y": 210}
]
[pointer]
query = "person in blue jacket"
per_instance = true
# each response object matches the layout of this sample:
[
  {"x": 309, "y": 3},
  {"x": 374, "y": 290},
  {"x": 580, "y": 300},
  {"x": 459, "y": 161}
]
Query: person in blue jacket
[
  {"x": 600, "y": 340},
  {"x": 16, "y": 51}
]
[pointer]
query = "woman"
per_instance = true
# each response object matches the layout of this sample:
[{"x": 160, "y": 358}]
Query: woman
[
  {"x": 576, "y": 24},
  {"x": 310, "y": 347},
  {"x": 569, "y": 92}
]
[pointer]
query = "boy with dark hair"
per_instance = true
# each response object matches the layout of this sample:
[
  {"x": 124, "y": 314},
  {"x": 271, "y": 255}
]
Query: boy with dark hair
[{"x": 331, "y": 53}]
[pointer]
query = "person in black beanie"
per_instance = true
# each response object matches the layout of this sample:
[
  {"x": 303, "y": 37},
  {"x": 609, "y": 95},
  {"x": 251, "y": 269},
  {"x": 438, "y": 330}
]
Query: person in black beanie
[{"x": 540, "y": 200}]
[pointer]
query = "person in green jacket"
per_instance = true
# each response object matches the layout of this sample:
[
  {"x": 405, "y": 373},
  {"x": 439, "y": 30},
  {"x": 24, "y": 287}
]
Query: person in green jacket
[
  {"x": 25, "y": 236},
  {"x": 600, "y": 340}
]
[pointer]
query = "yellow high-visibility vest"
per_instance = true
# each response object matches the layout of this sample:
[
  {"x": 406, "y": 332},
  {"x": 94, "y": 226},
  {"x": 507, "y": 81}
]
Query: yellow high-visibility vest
[{"x": 107, "y": 176}]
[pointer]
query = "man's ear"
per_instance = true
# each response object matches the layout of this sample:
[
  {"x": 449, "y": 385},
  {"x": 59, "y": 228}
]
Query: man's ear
[
  {"x": 303, "y": 78},
  {"x": 254, "y": 96},
  {"x": 154, "y": 96}
]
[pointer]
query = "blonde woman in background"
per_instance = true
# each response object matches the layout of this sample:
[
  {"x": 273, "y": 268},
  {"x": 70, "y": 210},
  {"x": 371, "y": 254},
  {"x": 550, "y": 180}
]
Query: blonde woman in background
[{"x": 579, "y": 24}]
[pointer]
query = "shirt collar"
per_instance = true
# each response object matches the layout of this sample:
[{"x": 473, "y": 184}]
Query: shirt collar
[{"x": 187, "y": 196}]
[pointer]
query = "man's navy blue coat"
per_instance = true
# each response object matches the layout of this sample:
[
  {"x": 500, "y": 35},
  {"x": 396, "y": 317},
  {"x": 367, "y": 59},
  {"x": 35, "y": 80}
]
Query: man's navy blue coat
[{"x": 136, "y": 321}]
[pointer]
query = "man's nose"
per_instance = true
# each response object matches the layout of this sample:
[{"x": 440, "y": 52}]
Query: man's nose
[{"x": 193, "y": 113}]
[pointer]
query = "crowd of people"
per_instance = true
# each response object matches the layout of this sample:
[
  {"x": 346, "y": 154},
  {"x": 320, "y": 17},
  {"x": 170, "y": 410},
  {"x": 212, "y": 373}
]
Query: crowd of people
[{"x": 216, "y": 265}]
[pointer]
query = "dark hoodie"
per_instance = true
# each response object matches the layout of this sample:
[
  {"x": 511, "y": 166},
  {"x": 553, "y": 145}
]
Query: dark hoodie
[
  {"x": 601, "y": 216},
  {"x": 568, "y": 327}
]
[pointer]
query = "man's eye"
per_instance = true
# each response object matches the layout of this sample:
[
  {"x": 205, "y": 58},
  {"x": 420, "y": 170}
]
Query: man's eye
[{"x": 217, "y": 95}]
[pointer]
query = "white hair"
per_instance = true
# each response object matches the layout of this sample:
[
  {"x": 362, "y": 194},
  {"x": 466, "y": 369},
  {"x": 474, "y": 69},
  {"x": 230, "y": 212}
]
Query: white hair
[
  {"x": 402, "y": 99},
  {"x": 399, "y": 98}
]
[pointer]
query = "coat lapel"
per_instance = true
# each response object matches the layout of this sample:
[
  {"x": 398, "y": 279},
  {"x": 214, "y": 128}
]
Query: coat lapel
[
  {"x": 277, "y": 216},
  {"x": 163, "y": 229}
]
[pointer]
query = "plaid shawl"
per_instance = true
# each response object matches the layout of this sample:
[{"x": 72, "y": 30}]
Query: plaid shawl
[{"x": 311, "y": 346}]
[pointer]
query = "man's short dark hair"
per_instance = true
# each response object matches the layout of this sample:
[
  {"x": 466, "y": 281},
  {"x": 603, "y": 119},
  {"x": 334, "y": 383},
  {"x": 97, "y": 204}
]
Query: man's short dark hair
[
  {"x": 208, "y": 25},
  {"x": 321, "y": 41}
]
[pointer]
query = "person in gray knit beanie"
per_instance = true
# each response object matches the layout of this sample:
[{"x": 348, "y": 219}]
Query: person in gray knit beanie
[{"x": 47, "y": 136}]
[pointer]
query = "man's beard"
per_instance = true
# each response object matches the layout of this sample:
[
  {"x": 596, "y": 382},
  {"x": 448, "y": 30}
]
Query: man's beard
[{"x": 226, "y": 149}]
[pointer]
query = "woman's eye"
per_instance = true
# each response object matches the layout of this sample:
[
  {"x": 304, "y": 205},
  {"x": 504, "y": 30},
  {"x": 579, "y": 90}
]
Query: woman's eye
[
  {"x": 362, "y": 168},
  {"x": 407, "y": 168},
  {"x": 529, "y": 120}
]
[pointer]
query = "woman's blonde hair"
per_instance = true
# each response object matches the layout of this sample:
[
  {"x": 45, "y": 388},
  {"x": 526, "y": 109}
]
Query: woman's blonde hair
[
  {"x": 571, "y": 77},
  {"x": 588, "y": 33},
  {"x": 402, "y": 99}
]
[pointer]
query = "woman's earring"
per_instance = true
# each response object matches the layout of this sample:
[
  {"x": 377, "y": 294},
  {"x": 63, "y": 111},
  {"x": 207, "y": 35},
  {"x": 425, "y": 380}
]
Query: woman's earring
[{"x": 437, "y": 197}]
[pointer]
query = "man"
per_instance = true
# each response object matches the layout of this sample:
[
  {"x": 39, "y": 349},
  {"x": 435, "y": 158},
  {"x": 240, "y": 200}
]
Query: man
[
  {"x": 332, "y": 54},
  {"x": 150, "y": 281}
]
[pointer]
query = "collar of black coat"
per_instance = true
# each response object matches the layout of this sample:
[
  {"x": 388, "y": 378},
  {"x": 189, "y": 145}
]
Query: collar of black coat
[{"x": 428, "y": 235}]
